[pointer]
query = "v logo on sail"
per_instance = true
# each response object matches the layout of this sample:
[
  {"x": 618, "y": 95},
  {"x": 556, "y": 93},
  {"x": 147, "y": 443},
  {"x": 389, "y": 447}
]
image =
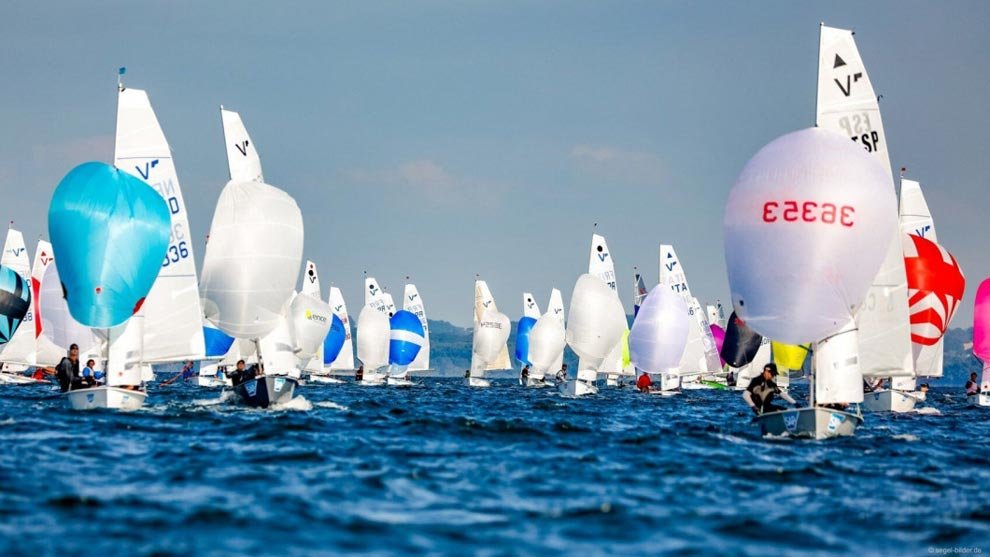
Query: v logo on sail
[
  {"x": 147, "y": 168},
  {"x": 242, "y": 146},
  {"x": 850, "y": 79}
]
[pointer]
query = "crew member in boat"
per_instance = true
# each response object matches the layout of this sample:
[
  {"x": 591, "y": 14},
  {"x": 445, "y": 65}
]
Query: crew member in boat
[
  {"x": 89, "y": 375},
  {"x": 359, "y": 374},
  {"x": 239, "y": 375},
  {"x": 562, "y": 374},
  {"x": 730, "y": 379},
  {"x": 42, "y": 373},
  {"x": 972, "y": 386},
  {"x": 644, "y": 383},
  {"x": 873, "y": 387},
  {"x": 187, "y": 372},
  {"x": 762, "y": 389},
  {"x": 67, "y": 371},
  {"x": 524, "y": 375}
]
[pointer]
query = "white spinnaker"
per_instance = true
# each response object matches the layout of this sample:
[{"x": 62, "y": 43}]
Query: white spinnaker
[
  {"x": 556, "y": 308},
  {"x": 847, "y": 104},
  {"x": 660, "y": 331},
  {"x": 489, "y": 340},
  {"x": 413, "y": 303},
  {"x": 700, "y": 354},
  {"x": 601, "y": 265},
  {"x": 252, "y": 260},
  {"x": 374, "y": 296},
  {"x": 484, "y": 301},
  {"x": 15, "y": 256},
  {"x": 916, "y": 218},
  {"x": 530, "y": 307},
  {"x": 373, "y": 336},
  {"x": 309, "y": 322},
  {"x": 837, "y": 376},
  {"x": 344, "y": 360},
  {"x": 170, "y": 315},
  {"x": 243, "y": 160},
  {"x": 58, "y": 326},
  {"x": 311, "y": 287},
  {"x": 546, "y": 345},
  {"x": 596, "y": 324}
]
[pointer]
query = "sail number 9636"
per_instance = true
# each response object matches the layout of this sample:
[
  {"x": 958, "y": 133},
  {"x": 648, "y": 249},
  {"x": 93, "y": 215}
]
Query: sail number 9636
[{"x": 808, "y": 211}]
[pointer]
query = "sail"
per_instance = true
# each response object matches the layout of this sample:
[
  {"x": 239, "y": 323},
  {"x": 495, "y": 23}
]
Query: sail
[
  {"x": 718, "y": 333},
  {"x": 243, "y": 160},
  {"x": 15, "y": 255},
  {"x": 700, "y": 353},
  {"x": 311, "y": 287},
  {"x": 660, "y": 331},
  {"x": 484, "y": 301},
  {"x": 789, "y": 356},
  {"x": 405, "y": 341},
  {"x": 838, "y": 378},
  {"x": 760, "y": 358},
  {"x": 546, "y": 345},
  {"x": 639, "y": 293},
  {"x": 373, "y": 337},
  {"x": 596, "y": 325},
  {"x": 847, "y": 104},
  {"x": 309, "y": 323},
  {"x": 601, "y": 265},
  {"x": 111, "y": 232},
  {"x": 58, "y": 326},
  {"x": 556, "y": 308},
  {"x": 252, "y": 260},
  {"x": 981, "y": 322},
  {"x": 345, "y": 357},
  {"x": 916, "y": 219},
  {"x": 531, "y": 312},
  {"x": 741, "y": 343},
  {"x": 15, "y": 302},
  {"x": 172, "y": 310},
  {"x": 22, "y": 347},
  {"x": 389, "y": 304},
  {"x": 413, "y": 303},
  {"x": 216, "y": 341},
  {"x": 488, "y": 343},
  {"x": 374, "y": 296}
]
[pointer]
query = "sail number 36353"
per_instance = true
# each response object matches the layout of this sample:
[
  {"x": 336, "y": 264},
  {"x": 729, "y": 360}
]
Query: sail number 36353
[{"x": 808, "y": 211}]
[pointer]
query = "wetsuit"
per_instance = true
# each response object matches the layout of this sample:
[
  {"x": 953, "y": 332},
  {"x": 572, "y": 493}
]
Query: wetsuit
[
  {"x": 67, "y": 373},
  {"x": 760, "y": 393}
]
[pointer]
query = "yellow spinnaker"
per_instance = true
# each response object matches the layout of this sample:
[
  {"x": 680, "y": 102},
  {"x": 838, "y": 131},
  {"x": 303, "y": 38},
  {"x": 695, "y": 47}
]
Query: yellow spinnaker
[{"x": 789, "y": 356}]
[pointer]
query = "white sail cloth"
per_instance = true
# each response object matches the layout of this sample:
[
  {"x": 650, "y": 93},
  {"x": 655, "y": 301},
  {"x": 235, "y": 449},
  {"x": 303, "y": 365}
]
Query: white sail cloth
[
  {"x": 660, "y": 331},
  {"x": 597, "y": 322}
]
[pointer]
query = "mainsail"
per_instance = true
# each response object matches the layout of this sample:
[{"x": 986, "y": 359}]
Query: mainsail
[
  {"x": 345, "y": 358},
  {"x": 916, "y": 219},
  {"x": 701, "y": 354},
  {"x": 847, "y": 104},
  {"x": 413, "y": 303}
]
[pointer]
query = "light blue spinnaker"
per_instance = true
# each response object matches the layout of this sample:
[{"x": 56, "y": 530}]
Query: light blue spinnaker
[{"x": 110, "y": 231}]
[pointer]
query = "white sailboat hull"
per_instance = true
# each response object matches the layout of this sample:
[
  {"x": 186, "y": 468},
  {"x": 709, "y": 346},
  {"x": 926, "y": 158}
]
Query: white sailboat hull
[
  {"x": 105, "y": 398},
  {"x": 212, "y": 381},
  {"x": 575, "y": 388},
  {"x": 808, "y": 423},
  {"x": 889, "y": 401},
  {"x": 400, "y": 382},
  {"x": 18, "y": 379},
  {"x": 536, "y": 382},
  {"x": 979, "y": 400},
  {"x": 478, "y": 382},
  {"x": 325, "y": 379}
]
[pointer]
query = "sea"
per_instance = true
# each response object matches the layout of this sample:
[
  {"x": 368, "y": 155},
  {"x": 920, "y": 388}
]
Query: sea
[{"x": 444, "y": 469}]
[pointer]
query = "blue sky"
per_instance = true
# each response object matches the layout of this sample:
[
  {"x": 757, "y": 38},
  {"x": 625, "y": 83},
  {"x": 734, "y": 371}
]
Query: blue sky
[{"x": 445, "y": 139}]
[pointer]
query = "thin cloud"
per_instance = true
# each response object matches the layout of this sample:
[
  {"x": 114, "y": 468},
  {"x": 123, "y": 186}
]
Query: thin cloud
[
  {"x": 433, "y": 183},
  {"x": 604, "y": 161}
]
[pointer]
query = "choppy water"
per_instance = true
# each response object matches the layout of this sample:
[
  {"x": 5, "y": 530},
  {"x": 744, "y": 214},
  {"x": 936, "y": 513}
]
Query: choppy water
[{"x": 444, "y": 469}]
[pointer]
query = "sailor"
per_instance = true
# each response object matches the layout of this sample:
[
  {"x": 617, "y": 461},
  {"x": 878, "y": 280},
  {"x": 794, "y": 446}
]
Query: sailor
[
  {"x": 730, "y": 379},
  {"x": 972, "y": 386},
  {"x": 88, "y": 375},
  {"x": 562, "y": 374},
  {"x": 238, "y": 375},
  {"x": 644, "y": 383},
  {"x": 67, "y": 370},
  {"x": 42, "y": 373},
  {"x": 524, "y": 375},
  {"x": 761, "y": 390},
  {"x": 185, "y": 374},
  {"x": 359, "y": 374}
]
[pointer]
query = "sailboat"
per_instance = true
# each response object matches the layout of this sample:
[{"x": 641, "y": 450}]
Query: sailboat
[
  {"x": 18, "y": 348},
  {"x": 744, "y": 350},
  {"x": 15, "y": 302},
  {"x": 981, "y": 341},
  {"x": 406, "y": 339},
  {"x": 600, "y": 264},
  {"x": 596, "y": 324},
  {"x": 167, "y": 329},
  {"x": 413, "y": 303},
  {"x": 847, "y": 104},
  {"x": 490, "y": 350},
  {"x": 555, "y": 307},
  {"x": 546, "y": 349},
  {"x": 835, "y": 247},
  {"x": 259, "y": 227},
  {"x": 373, "y": 337},
  {"x": 28, "y": 347},
  {"x": 531, "y": 313},
  {"x": 700, "y": 358},
  {"x": 338, "y": 348}
]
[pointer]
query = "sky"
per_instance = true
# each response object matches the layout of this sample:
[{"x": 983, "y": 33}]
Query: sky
[{"x": 445, "y": 139}]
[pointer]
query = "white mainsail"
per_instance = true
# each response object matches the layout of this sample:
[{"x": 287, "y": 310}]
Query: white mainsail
[
  {"x": 916, "y": 219},
  {"x": 243, "y": 160},
  {"x": 311, "y": 287},
  {"x": 373, "y": 335},
  {"x": 847, "y": 104},
  {"x": 484, "y": 301},
  {"x": 344, "y": 360},
  {"x": 15, "y": 256},
  {"x": 20, "y": 348},
  {"x": 700, "y": 354},
  {"x": 556, "y": 308},
  {"x": 530, "y": 307},
  {"x": 601, "y": 265},
  {"x": 389, "y": 304},
  {"x": 171, "y": 313},
  {"x": 58, "y": 326},
  {"x": 374, "y": 296},
  {"x": 413, "y": 303}
]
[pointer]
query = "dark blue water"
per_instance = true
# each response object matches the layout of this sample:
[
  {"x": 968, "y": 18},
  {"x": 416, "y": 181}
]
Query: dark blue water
[{"x": 444, "y": 469}]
